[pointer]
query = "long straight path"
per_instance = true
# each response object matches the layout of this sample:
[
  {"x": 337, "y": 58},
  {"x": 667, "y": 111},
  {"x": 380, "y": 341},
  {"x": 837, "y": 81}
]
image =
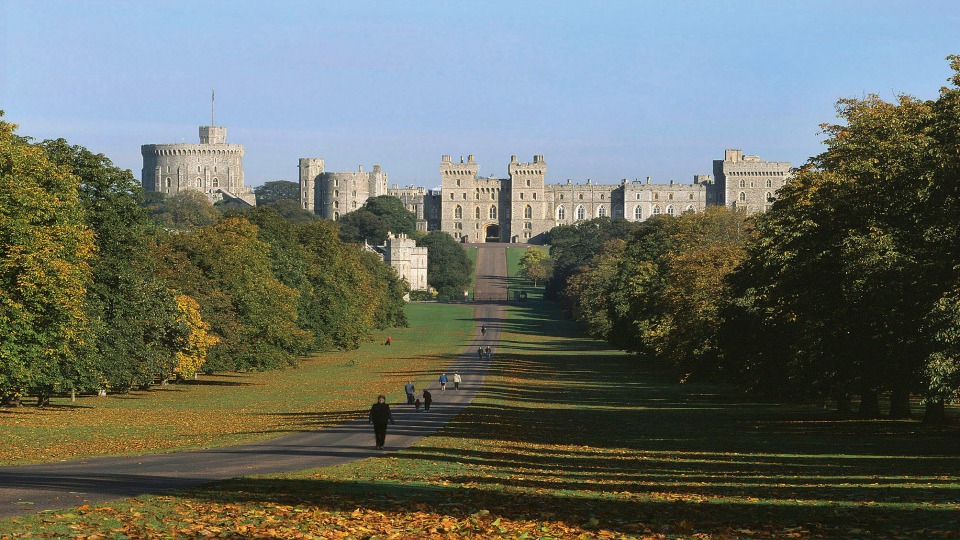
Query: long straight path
[{"x": 26, "y": 489}]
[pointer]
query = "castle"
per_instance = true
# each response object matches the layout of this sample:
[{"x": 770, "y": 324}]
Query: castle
[
  {"x": 523, "y": 207},
  {"x": 212, "y": 167}
]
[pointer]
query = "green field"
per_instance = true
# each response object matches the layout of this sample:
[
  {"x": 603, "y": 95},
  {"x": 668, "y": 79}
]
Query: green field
[
  {"x": 232, "y": 408},
  {"x": 516, "y": 283},
  {"x": 570, "y": 440}
]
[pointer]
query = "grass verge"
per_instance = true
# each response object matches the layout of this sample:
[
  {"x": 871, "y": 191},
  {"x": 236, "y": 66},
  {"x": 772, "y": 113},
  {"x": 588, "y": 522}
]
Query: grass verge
[{"x": 232, "y": 408}]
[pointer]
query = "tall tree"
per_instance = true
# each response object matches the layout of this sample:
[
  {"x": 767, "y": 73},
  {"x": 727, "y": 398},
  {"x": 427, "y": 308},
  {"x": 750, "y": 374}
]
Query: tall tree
[
  {"x": 45, "y": 249},
  {"x": 449, "y": 270},
  {"x": 277, "y": 190}
]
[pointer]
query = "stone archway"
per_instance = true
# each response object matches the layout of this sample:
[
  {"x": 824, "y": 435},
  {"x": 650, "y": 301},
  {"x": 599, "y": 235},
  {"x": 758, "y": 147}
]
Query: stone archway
[{"x": 491, "y": 233}]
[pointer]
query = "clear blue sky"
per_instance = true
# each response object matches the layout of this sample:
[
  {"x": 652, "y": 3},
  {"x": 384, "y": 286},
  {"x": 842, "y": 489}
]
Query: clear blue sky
[{"x": 604, "y": 90}]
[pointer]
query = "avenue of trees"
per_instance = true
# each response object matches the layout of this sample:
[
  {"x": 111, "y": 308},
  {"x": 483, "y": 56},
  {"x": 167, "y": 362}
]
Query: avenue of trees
[
  {"x": 104, "y": 288},
  {"x": 848, "y": 289}
]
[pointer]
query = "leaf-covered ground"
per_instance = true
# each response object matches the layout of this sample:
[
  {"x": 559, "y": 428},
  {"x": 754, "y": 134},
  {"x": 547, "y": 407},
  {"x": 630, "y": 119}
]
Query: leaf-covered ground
[
  {"x": 568, "y": 440},
  {"x": 231, "y": 408}
]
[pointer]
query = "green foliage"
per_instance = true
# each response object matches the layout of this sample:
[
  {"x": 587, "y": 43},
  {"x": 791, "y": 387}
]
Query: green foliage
[
  {"x": 186, "y": 210},
  {"x": 277, "y": 190},
  {"x": 449, "y": 270},
  {"x": 572, "y": 247},
  {"x": 379, "y": 217},
  {"x": 536, "y": 265},
  {"x": 135, "y": 319},
  {"x": 45, "y": 253}
]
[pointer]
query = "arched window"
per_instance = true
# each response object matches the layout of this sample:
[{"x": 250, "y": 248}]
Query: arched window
[
  {"x": 561, "y": 213},
  {"x": 769, "y": 182},
  {"x": 493, "y": 196},
  {"x": 476, "y": 213},
  {"x": 336, "y": 182},
  {"x": 458, "y": 182},
  {"x": 336, "y": 204},
  {"x": 528, "y": 212},
  {"x": 168, "y": 182},
  {"x": 670, "y": 210},
  {"x": 580, "y": 213},
  {"x": 458, "y": 212},
  {"x": 198, "y": 168},
  {"x": 602, "y": 211},
  {"x": 353, "y": 205},
  {"x": 336, "y": 193},
  {"x": 691, "y": 196},
  {"x": 493, "y": 212},
  {"x": 743, "y": 183},
  {"x": 656, "y": 210},
  {"x": 670, "y": 196},
  {"x": 769, "y": 197},
  {"x": 336, "y": 216},
  {"x": 637, "y": 213},
  {"x": 743, "y": 196},
  {"x": 216, "y": 182},
  {"x": 691, "y": 209},
  {"x": 199, "y": 182},
  {"x": 656, "y": 196}
]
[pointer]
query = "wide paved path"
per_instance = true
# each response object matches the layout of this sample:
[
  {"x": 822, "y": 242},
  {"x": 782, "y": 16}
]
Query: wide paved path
[{"x": 31, "y": 488}]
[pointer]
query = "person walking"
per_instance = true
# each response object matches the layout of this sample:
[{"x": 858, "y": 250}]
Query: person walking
[
  {"x": 489, "y": 353},
  {"x": 483, "y": 330},
  {"x": 443, "y": 381},
  {"x": 409, "y": 389},
  {"x": 456, "y": 380},
  {"x": 380, "y": 416},
  {"x": 389, "y": 340},
  {"x": 480, "y": 352},
  {"x": 427, "y": 400}
]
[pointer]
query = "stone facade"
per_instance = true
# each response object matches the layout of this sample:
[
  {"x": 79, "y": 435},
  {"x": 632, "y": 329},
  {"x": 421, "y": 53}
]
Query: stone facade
[
  {"x": 332, "y": 194},
  {"x": 408, "y": 260},
  {"x": 748, "y": 183},
  {"x": 212, "y": 167},
  {"x": 523, "y": 207}
]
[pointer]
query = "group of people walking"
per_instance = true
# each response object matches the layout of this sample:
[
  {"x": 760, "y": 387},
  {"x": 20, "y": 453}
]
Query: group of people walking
[{"x": 380, "y": 415}]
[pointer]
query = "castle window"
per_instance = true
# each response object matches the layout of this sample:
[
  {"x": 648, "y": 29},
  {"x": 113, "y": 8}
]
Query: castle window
[
  {"x": 451, "y": 196},
  {"x": 336, "y": 204},
  {"x": 336, "y": 193},
  {"x": 561, "y": 213},
  {"x": 638, "y": 196},
  {"x": 670, "y": 196},
  {"x": 336, "y": 216},
  {"x": 458, "y": 182},
  {"x": 493, "y": 196},
  {"x": 521, "y": 196},
  {"x": 458, "y": 212},
  {"x": 751, "y": 183},
  {"x": 602, "y": 211},
  {"x": 493, "y": 212},
  {"x": 580, "y": 213},
  {"x": 534, "y": 196},
  {"x": 769, "y": 182},
  {"x": 216, "y": 182},
  {"x": 336, "y": 182},
  {"x": 528, "y": 212},
  {"x": 637, "y": 213},
  {"x": 198, "y": 168},
  {"x": 353, "y": 204},
  {"x": 656, "y": 196},
  {"x": 528, "y": 225},
  {"x": 464, "y": 195},
  {"x": 168, "y": 182},
  {"x": 690, "y": 208},
  {"x": 691, "y": 196},
  {"x": 743, "y": 183},
  {"x": 656, "y": 210},
  {"x": 601, "y": 196},
  {"x": 743, "y": 196},
  {"x": 458, "y": 226},
  {"x": 769, "y": 197},
  {"x": 580, "y": 196},
  {"x": 477, "y": 213},
  {"x": 561, "y": 196},
  {"x": 199, "y": 183},
  {"x": 528, "y": 182}
]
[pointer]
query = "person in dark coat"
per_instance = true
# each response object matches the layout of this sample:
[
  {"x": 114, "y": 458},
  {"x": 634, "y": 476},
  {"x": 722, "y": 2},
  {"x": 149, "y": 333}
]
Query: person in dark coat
[
  {"x": 427, "y": 400},
  {"x": 380, "y": 416}
]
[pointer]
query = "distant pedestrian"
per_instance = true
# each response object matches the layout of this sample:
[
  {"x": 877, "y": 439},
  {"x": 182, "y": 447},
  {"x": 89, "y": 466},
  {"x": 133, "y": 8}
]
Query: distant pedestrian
[
  {"x": 489, "y": 352},
  {"x": 456, "y": 380},
  {"x": 409, "y": 389},
  {"x": 380, "y": 416},
  {"x": 480, "y": 353},
  {"x": 483, "y": 330},
  {"x": 427, "y": 400},
  {"x": 416, "y": 404},
  {"x": 389, "y": 340},
  {"x": 443, "y": 381}
]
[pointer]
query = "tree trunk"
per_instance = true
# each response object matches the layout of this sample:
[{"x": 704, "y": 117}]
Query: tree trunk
[
  {"x": 900, "y": 404},
  {"x": 843, "y": 404},
  {"x": 869, "y": 404},
  {"x": 11, "y": 400},
  {"x": 934, "y": 413},
  {"x": 43, "y": 400}
]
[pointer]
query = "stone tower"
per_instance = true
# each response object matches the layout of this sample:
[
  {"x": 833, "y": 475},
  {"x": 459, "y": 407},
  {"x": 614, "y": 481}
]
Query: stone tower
[
  {"x": 529, "y": 213},
  {"x": 311, "y": 169},
  {"x": 746, "y": 182},
  {"x": 212, "y": 167}
]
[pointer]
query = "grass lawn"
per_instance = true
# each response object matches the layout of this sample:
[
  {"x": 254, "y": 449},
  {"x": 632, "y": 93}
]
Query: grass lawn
[
  {"x": 570, "y": 440},
  {"x": 239, "y": 407}
]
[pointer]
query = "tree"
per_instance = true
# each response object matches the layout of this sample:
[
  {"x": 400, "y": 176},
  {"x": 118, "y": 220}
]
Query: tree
[
  {"x": 572, "y": 247},
  {"x": 277, "y": 190},
  {"x": 535, "y": 265},
  {"x": 449, "y": 270},
  {"x": 133, "y": 315},
  {"x": 191, "y": 357},
  {"x": 45, "y": 249},
  {"x": 391, "y": 210},
  {"x": 185, "y": 210},
  {"x": 361, "y": 226}
]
